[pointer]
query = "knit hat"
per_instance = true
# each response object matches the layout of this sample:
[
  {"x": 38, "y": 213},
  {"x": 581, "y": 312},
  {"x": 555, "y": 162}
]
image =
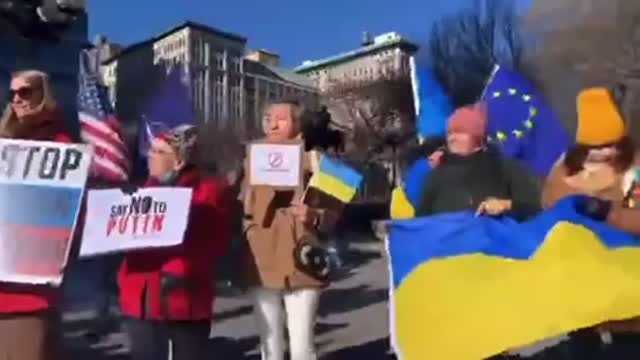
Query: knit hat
[
  {"x": 599, "y": 121},
  {"x": 184, "y": 140},
  {"x": 470, "y": 120}
]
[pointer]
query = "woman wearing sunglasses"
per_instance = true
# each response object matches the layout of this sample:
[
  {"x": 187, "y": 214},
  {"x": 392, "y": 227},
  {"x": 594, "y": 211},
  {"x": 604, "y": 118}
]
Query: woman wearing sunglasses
[
  {"x": 32, "y": 112},
  {"x": 27, "y": 313}
]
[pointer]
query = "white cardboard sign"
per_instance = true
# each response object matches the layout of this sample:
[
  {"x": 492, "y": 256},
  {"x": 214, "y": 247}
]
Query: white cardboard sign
[
  {"x": 277, "y": 165},
  {"x": 148, "y": 218}
]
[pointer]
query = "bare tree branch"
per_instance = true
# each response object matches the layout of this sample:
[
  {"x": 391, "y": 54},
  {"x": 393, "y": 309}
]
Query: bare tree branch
[
  {"x": 464, "y": 47},
  {"x": 382, "y": 113}
]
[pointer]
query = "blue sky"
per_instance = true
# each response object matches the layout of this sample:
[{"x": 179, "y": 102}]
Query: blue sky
[{"x": 297, "y": 30}]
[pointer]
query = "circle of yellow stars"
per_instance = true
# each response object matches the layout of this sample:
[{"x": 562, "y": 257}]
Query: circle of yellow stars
[{"x": 527, "y": 124}]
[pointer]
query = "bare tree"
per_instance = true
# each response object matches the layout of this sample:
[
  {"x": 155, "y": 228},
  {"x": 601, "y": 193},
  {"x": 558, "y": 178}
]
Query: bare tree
[
  {"x": 465, "y": 46},
  {"x": 628, "y": 71},
  {"x": 382, "y": 120}
]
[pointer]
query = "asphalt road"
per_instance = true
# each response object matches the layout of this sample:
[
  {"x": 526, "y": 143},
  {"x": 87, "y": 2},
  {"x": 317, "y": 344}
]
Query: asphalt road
[{"x": 352, "y": 319}]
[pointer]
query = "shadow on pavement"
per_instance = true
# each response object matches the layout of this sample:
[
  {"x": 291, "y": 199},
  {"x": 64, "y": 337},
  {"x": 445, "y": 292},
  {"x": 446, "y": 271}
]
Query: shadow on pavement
[
  {"x": 373, "y": 350},
  {"x": 324, "y": 328},
  {"x": 229, "y": 314},
  {"x": 229, "y": 348},
  {"x": 340, "y": 301},
  {"x": 357, "y": 257},
  {"x": 83, "y": 353}
]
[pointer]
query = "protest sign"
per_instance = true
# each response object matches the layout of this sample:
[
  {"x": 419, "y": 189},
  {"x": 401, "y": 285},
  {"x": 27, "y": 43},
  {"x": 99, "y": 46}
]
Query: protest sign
[
  {"x": 277, "y": 165},
  {"x": 148, "y": 218},
  {"x": 41, "y": 187}
]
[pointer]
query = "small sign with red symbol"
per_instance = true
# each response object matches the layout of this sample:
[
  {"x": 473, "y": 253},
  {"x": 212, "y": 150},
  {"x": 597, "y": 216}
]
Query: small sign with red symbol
[{"x": 276, "y": 165}]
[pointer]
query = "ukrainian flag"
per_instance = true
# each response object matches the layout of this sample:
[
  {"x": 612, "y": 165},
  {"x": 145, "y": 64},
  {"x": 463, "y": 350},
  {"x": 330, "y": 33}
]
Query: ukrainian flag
[
  {"x": 406, "y": 199},
  {"x": 467, "y": 288},
  {"x": 335, "y": 178}
]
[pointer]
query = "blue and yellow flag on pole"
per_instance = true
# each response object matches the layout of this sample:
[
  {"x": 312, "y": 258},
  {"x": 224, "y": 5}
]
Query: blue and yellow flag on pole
[
  {"x": 335, "y": 178},
  {"x": 432, "y": 104},
  {"x": 522, "y": 123},
  {"x": 405, "y": 199},
  {"x": 467, "y": 288}
]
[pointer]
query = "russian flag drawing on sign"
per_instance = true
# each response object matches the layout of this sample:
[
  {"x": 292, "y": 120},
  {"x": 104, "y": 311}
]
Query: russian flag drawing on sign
[
  {"x": 41, "y": 189},
  {"x": 37, "y": 227}
]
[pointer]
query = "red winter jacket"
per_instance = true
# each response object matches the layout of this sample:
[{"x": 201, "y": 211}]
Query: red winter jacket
[
  {"x": 30, "y": 298},
  {"x": 187, "y": 270}
]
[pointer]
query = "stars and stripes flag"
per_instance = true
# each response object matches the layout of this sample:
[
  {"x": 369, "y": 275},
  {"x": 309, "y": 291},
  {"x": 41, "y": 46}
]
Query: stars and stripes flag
[{"x": 99, "y": 126}]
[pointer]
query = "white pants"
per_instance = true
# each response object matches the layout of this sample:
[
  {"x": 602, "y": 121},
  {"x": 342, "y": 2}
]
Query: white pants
[{"x": 300, "y": 307}]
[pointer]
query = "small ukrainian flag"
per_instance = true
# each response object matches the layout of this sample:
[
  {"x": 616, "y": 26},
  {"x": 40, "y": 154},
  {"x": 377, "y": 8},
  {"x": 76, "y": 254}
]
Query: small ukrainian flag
[{"x": 335, "y": 178}]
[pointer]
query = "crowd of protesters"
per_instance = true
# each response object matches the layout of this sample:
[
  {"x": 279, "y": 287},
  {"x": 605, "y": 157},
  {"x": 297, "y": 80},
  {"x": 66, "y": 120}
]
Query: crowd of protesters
[{"x": 166, "y": 295}]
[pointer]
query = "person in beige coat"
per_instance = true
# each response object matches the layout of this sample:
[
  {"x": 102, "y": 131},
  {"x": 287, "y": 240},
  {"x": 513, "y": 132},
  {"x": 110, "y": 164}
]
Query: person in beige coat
[{"x": 274, "y": 221}]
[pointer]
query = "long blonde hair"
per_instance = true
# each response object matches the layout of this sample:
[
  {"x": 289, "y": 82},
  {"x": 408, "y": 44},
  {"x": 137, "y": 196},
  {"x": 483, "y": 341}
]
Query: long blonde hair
[{"x": 10, "y": 125}]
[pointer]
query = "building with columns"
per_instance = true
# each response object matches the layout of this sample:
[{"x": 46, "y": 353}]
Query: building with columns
[
  {"x": 230, "y": 84},
  {"x": 383, "y": 55}
]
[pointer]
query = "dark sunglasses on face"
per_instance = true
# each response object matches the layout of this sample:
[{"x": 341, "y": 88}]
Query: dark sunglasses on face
[{"x": 24, "y": 93}]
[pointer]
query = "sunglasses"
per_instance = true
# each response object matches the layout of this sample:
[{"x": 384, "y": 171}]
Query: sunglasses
[{"x": 24, "y": 93}]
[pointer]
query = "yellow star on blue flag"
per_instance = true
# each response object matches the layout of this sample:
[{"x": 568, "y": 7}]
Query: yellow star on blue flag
[{"x": 523, "y": 123}]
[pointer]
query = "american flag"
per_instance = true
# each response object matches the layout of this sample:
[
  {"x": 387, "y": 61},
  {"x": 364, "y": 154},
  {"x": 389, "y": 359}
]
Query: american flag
[{"x": 99, "y": 127}]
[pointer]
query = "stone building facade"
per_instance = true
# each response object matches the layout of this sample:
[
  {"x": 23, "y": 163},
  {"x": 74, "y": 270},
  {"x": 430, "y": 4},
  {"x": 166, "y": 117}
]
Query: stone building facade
[
  {"x": 385, "y": 55},
  {"x": 230, "y": 84}
]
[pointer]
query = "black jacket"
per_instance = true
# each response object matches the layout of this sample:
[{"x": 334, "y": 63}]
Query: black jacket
[{"x": 462, "y": 183}]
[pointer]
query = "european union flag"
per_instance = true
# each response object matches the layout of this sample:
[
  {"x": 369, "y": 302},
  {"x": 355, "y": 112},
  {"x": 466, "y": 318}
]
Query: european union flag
[
  {"x": 522, "y": 123},
  {"x": 432, "y": 104},
  {"x": 492, "y": 284}
]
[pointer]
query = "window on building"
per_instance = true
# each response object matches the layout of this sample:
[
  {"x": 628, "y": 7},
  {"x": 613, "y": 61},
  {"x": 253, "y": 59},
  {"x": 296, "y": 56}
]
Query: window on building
[
  {"x": 237, "y": 64},
  {"x": 220, "y": 61},
  {"x": 272, "y": 92},
  {"x": 195, "y": 53}
]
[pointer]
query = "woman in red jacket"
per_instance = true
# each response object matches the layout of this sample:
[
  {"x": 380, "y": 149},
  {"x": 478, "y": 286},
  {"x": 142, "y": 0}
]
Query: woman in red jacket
[
  {"x": 27, "y": 313},
  {"x": 167, "y": 294}
]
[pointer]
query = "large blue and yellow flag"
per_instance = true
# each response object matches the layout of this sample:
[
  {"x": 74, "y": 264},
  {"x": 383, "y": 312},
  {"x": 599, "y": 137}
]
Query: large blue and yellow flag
[
  {"x": 432, "y": 104},
  {"x": 522, "y": 123},
  {"x": 466, "y": 287}
]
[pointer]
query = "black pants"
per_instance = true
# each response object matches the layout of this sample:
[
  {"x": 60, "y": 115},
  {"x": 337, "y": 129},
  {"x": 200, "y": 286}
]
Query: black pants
[
  {"x": 624, "y": 346},
  {"x": 556, "y": 352},
  {"x": 154, "y": 340}
]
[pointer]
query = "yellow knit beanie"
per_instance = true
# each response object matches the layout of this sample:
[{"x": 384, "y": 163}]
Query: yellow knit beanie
[{"x": 599, "y": 121}]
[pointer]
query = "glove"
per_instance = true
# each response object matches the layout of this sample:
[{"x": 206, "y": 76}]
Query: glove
[{"x": 591, "y": 207}]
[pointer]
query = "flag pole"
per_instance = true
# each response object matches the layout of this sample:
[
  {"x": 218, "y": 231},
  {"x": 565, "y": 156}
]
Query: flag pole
[{"x": 496, "y": 67}]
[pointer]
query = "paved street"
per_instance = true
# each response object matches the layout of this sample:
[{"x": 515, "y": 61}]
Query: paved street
[{"x": 352, "y": 323}]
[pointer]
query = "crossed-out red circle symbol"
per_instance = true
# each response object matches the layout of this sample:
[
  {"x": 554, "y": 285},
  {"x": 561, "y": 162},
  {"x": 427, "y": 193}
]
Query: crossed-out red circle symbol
[{"x": 275, "y": 160}]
